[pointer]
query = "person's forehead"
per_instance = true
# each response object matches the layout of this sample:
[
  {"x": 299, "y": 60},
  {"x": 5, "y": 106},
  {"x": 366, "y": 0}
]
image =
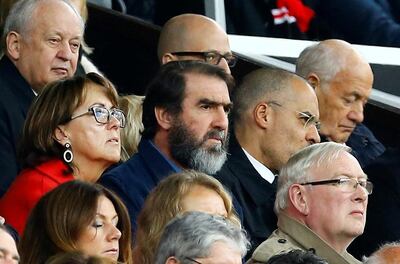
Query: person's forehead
[
  {"x": 197, "y": 84},
  {"x": 57, "y": 16},
  {"x": 345, "y": 164}
]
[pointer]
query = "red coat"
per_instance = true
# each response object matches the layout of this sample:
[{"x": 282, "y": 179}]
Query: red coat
[{"x": 26, "y": 190}]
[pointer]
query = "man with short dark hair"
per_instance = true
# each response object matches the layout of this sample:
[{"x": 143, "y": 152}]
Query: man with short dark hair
[
  {"x": 185, "y": 126},
  {"x": 41, "y": 43},
  {"x": 275, "y": 114},
  {"x": 321, "y": 203}
]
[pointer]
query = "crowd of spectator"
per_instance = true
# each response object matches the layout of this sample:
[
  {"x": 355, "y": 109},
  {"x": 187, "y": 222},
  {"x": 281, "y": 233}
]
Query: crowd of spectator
[{"x": 274, "y": 169}]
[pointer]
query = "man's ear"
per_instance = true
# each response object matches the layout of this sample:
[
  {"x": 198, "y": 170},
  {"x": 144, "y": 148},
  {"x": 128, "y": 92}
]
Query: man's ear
[
  {"x": 171, "y": 260},
  {"x": 314, "y": 81},
  {"x": 261, "y": 114},
  {"x": 164, "y": 117},
  {"x": 167, "y": 57},
  {"x": 13, "y": 45},
  {"x": 60, "y": 135},
  {"x": 298, "y": 197}
]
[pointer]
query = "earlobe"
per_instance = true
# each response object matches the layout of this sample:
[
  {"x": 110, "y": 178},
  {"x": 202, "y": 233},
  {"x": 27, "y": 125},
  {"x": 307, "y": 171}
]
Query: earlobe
[
  {"x": 167, "y": 57},
  {"x": 164, "y": 118},
  {"x": 13, "y": 42},
  {"x": 60, "y": 135},
  {"x": 261, "y": 114},
  {"x": 298, "y": 198}
]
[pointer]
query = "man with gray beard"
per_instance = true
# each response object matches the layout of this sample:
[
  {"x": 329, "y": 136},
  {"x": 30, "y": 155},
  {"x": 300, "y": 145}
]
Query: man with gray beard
[{"x": 185, "y": 118}]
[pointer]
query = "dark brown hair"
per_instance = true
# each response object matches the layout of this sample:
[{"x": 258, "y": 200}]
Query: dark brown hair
[
  {"x": 53, "y": 107},
  {"x": 60, "y": 216}
]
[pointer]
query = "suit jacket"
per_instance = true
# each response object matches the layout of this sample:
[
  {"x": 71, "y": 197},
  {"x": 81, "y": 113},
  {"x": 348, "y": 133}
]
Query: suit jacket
[
  {"x": 33, "y": 183},
  {"x": 133, "y": 180},
  {"x": 255, "y": 195},
  {"x": 365, "y": 147},
  {"x": 292, "y": 235},
  {"x": 16, "y": 97},
  {"x": 383, "y": 212}
]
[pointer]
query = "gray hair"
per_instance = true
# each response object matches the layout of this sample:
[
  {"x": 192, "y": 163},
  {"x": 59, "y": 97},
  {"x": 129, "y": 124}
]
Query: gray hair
[
  {"x": 259, "y": 85},
  {"x": 378, "y": 256},
  {"x": 192, "y": 235},
  {"x": 20, "y": 17},
  {"x": 297, "y": 169},
  {"x": 322, "y": 59}
]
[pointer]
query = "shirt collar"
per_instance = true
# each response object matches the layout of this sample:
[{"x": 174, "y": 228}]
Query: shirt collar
[{"x": 264, "y": 172}]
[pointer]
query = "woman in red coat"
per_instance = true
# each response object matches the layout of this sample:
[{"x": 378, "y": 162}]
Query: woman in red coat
[{"x": 72, "y": 131}]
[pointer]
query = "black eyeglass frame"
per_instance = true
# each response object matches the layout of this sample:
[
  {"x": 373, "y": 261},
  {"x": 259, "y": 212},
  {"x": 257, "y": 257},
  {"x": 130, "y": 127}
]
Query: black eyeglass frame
[
  {"x": 340, "y": 181},
  {"x": 91, "y": 111},
  {"x": 230, "y": 58}
]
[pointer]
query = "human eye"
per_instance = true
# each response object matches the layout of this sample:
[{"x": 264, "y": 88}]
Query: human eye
[
  {"x": 206, "y": 106},
  {"x": 97, "y": 223},
  {"x": 227, "y": 109},
  {"x": 348, "y": 100},
  {"x": 211, "y": 57},
  {"x": 54, "y": 41},
  {"x": 75, "y": 45}
]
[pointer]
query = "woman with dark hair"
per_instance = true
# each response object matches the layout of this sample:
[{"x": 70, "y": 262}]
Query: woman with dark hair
[
  {"x": 72, "y": 131},
  {"x": 77, "y": 216}
]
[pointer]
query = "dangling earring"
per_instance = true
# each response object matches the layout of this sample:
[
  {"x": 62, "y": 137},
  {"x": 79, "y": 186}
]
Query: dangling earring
[{"x": 68, "y": 155}]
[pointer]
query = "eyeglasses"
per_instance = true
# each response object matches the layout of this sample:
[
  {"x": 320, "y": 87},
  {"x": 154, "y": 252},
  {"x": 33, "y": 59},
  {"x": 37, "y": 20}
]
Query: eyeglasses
[
  {"x": 211, "y": 57},
  {"x": 193, "y": 260},
  {"x": 307, "y": 118},
  {"x": 346, "y": 184},
  {"x": 102, "y": 115}
]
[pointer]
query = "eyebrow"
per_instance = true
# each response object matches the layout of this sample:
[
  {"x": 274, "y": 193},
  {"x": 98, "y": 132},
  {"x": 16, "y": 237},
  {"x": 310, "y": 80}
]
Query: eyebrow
[
  {"x": 349, "y": 176},
  {"x": 104, "y": 217},
  {"x": 215, "y": 103}
]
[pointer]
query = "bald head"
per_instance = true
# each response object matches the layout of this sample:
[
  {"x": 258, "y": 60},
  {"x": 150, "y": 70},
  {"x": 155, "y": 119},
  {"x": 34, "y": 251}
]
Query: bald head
[
  {"x": 327, "y": 58},
  {"x": 387, "y": 254},
  {"x": 191, "y": 32},
  {"x": 342, "y": 80}
]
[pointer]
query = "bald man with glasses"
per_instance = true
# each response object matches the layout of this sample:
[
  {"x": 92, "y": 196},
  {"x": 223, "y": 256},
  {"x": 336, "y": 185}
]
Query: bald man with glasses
[
  {"x": 321, "y": 203},
  {"x": 195, "y": 37},
  {"x": 275, "y": 114}
]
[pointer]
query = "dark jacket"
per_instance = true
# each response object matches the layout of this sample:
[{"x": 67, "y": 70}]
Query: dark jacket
[
  {"x": 255, "y": 195},
  {"x": 15, "y": 98},
  {"x": 133, "y": 180}
]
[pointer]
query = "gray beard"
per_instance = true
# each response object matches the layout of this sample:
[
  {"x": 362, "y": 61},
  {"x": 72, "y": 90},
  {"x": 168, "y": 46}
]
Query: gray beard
[{"x": 192, "y": 154}]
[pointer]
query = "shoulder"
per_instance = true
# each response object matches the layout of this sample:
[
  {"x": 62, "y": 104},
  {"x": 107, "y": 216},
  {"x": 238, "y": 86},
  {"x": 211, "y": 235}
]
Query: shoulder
[{"x": 276, "y": 244}]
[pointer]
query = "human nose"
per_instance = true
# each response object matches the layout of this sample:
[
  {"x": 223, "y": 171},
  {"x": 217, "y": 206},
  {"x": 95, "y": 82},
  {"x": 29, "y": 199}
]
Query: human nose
[
  {"x": 312, "y": 135},
  {"x": 224, "y": 65},
  {"x": 114, "y": 234},
  {"x": 361, "y": 193},
  {"x": 356, "y": 114},
  {"x": 113, "y": 123},
  {"x": 65, "y": 52},
  {"x": 220, "y": 120}
]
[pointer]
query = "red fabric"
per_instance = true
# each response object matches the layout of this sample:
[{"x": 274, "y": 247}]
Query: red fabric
[
  {"x": 26, "y": 190},
  {"x": 302, "y": 13}
]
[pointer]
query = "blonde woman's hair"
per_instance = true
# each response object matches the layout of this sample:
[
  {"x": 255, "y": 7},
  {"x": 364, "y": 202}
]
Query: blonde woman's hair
[
  {"x": 130, "y": 135},
  {"x": 164, "y": 203}
]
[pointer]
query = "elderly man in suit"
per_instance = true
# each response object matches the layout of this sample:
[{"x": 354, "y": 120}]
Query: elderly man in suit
[
  {"x": 321, "y": 203},
  {"x": 41, "y": 44}
]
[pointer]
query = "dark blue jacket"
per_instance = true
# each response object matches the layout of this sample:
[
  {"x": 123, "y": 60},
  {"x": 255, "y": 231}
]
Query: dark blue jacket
[
  {"x": 15, "y": 98},
  {"x": 133, "y": 180}
]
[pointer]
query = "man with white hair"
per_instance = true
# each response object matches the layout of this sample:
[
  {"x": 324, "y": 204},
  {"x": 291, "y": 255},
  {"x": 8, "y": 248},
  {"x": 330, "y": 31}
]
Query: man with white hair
[{"x": 321, "y": 203}]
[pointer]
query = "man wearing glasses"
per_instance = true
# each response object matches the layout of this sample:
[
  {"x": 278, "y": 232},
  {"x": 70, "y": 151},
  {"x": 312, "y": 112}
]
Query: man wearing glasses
[
  {"x": 195, "y": 37},
  {"x": 321, "y": 204},
  {"x": 275, "y": 114}
]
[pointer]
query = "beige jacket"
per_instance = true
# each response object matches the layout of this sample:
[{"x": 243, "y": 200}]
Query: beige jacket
[{"x": 293, "y": 235}]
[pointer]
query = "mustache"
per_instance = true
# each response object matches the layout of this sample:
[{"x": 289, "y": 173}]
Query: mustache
[{"x": 217, "y": 134}]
